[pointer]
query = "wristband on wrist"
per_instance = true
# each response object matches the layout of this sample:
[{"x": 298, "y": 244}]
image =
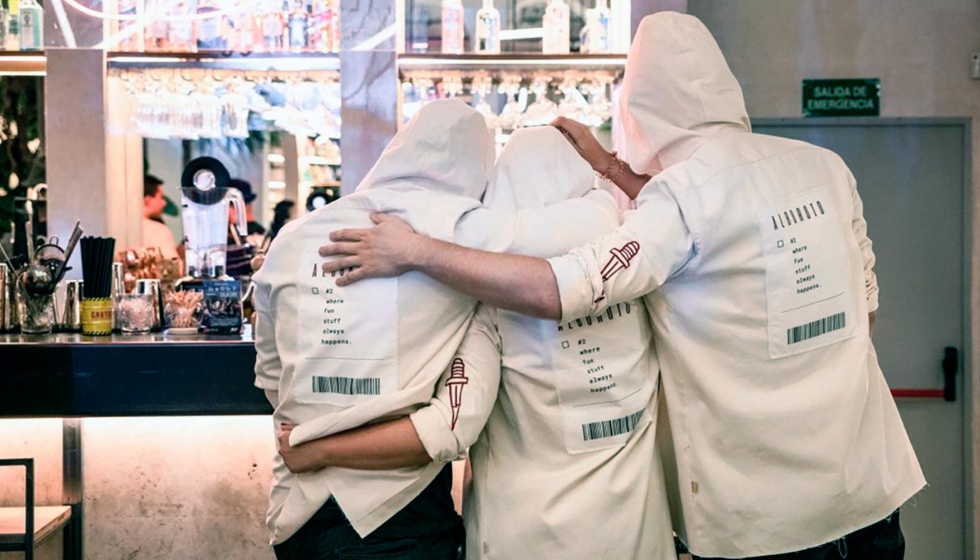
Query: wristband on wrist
[{"x": 614, "y": 169}]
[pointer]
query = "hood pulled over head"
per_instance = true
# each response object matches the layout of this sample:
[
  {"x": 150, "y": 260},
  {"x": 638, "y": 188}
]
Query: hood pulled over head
[
  {"x": 677, "y": 92},
  {"x": 537, "y": 168},
  {"x": 446, "y": 147}
]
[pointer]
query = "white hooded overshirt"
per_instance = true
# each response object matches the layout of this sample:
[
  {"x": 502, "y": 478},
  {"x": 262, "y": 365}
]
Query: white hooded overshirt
[
  {"x": 335, "y": 358},
  {"x": 753, "y": 256},
  {"x": 570, "y": 445}
]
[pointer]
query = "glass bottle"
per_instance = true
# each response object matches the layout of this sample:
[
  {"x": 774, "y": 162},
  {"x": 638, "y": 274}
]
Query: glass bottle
[
  {"x": 181, "y": 31},
  {"x": 557, "y": 30},
  {"x": 272, "y": 26},
  {"x": 209, "y": 30},
  {"x": 595, "y": 34},
  {"x": 487, "y": 29},
  {"x": 333, "y": 26},
  {"x": 156, "y": 33},
  {"x": 31, "y": 24},
  {"x": 242, "y": 32},
  {"x": 318, "y": 34},
  {"x": 133, "y": 39},
  {"x": 12, "y": 40},
  {"x": 453, "y": 30},
  {"x": 299, "y": 27}
]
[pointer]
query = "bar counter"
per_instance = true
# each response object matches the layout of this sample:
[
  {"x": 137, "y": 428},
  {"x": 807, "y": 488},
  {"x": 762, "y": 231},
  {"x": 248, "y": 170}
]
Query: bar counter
[{"x": 70, "y": 375}]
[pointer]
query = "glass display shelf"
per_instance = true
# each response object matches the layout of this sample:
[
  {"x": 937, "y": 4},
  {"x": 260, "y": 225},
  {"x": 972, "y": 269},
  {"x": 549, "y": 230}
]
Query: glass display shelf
[
  {"x": 226, "y": 60},
  {"x": 510, "y": 61}
]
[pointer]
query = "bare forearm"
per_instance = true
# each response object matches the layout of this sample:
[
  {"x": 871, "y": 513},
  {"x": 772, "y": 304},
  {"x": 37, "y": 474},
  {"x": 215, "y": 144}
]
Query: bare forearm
[
  {"x": 518, "y": 283},
  {"x": 390, "y": 445},
  {"x": 631, "y": 183}
]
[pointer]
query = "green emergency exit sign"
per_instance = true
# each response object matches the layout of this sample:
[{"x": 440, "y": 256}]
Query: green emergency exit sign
[{"x": 842, "y": 98}]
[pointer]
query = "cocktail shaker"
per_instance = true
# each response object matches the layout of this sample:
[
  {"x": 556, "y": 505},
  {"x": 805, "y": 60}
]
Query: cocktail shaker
[
  {"x": 72, "y": 319},
  {"x": 118, "y": 288},
  {"x": 152, "y": 287},
  {"x": 9, "y": 320}
]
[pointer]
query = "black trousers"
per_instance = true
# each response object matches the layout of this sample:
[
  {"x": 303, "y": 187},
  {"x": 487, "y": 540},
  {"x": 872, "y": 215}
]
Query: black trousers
[
  {"x": 882, "y": 541},
  {"x": 428, "y": 528}
]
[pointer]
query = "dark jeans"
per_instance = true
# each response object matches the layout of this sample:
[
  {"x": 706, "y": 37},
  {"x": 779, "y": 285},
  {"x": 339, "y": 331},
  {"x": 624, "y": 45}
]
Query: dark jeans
[
  {"x": 881, "y": 541},
  {"x": 428, "y": 528}
]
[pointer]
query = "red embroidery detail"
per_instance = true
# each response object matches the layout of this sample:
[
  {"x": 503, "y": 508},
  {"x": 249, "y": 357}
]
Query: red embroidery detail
[
  {"x": 620, "y": 259},
  {"x": 457, "y": 380}
]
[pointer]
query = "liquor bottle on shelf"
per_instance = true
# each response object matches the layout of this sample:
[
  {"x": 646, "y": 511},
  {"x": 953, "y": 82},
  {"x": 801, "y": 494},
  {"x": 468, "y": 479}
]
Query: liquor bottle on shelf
[
  {"x": 155, "y": 36},
  {"x": 130, "y": 29},
  {"x": 210, "y": 30},
  {"x": 418, "y": 30},
  {"x": 557, "y": 30},
  {"x": 180, "y": 32},
  {"x": 333, "y": 26},
  {"x": 242, "y": 33},
  {"x": 12, "y": 39},
  {"x": 298, "y": 27},
  {"x": 272, "y": 26},
  {"x": 487, "y": 29},
  {"x": 595, "y": 33},
  {"x": 319, "y": 37},
  {"x": 453, "y": 31},
  {"x": 31, "y": 23}
]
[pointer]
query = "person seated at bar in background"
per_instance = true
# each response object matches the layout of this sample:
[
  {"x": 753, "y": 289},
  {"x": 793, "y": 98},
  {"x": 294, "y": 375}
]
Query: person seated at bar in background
[{"x": 155, "y": 232}]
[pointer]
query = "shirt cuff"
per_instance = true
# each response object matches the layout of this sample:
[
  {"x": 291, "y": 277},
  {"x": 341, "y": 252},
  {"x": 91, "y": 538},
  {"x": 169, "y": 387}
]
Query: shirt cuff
[
  {"x": 873, "y": 299},
  {"x": 576, "y": 292},
  {"x": 436, "y": 435},
  {"x": 266, "y": 383}
]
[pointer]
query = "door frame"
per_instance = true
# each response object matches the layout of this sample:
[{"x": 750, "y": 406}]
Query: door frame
[{"x": 970, "y": 387}]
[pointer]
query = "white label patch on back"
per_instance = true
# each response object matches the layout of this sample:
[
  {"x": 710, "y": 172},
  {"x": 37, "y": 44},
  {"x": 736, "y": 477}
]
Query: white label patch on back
[
  {"x": 603, "y": 397},
  {"x": 809, "y": 294},
  {"x": 347, "y": 336}
]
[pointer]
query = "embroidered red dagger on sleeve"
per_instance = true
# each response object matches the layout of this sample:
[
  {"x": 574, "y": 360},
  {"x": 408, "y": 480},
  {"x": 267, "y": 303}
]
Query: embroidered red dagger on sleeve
[
  {"x": 620, "y": 259},
  {"x": 457, "y": 380}
]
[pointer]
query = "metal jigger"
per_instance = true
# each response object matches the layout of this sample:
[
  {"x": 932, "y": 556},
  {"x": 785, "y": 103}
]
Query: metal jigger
[
  {"x": 8, "y": 299},
  {"x": 72, "y": 319},
  {"x": 152, "y": 286}
]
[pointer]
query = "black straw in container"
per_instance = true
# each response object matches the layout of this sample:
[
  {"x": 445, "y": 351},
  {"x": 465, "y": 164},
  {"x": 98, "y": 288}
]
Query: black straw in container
[{"x": 97, "y": 253}]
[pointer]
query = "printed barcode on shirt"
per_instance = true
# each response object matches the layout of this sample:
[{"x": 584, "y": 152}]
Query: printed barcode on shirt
[
  {"x": 347, "y": 385},
  {"x": 815, "y": 328},
  {"x": 610, "y": 428}
]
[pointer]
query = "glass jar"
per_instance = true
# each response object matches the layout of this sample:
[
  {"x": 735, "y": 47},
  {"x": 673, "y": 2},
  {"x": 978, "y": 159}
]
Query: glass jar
[
  {"x": 135, "y": 313},
  {"x": 37, "y": 314}
]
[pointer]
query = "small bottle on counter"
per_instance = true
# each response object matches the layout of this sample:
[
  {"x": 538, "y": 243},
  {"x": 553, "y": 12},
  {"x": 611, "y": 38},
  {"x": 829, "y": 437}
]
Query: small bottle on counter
[
  {"x": 453, "y": 30},
  {"x": 557, "y": 30},
  {"x": 31, "y": 24},
  {"x": 487, "y": 29}
]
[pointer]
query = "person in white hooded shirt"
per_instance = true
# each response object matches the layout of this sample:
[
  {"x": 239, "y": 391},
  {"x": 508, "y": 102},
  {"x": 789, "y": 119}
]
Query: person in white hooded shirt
[
  {"x": 571, "y": 439},
  {"x": 354, "y": 371},
  {"x": 753, "y": 256}
]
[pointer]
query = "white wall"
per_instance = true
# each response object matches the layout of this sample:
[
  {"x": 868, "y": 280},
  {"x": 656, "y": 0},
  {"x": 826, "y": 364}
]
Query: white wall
[{"x": 920, "y": 49}]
